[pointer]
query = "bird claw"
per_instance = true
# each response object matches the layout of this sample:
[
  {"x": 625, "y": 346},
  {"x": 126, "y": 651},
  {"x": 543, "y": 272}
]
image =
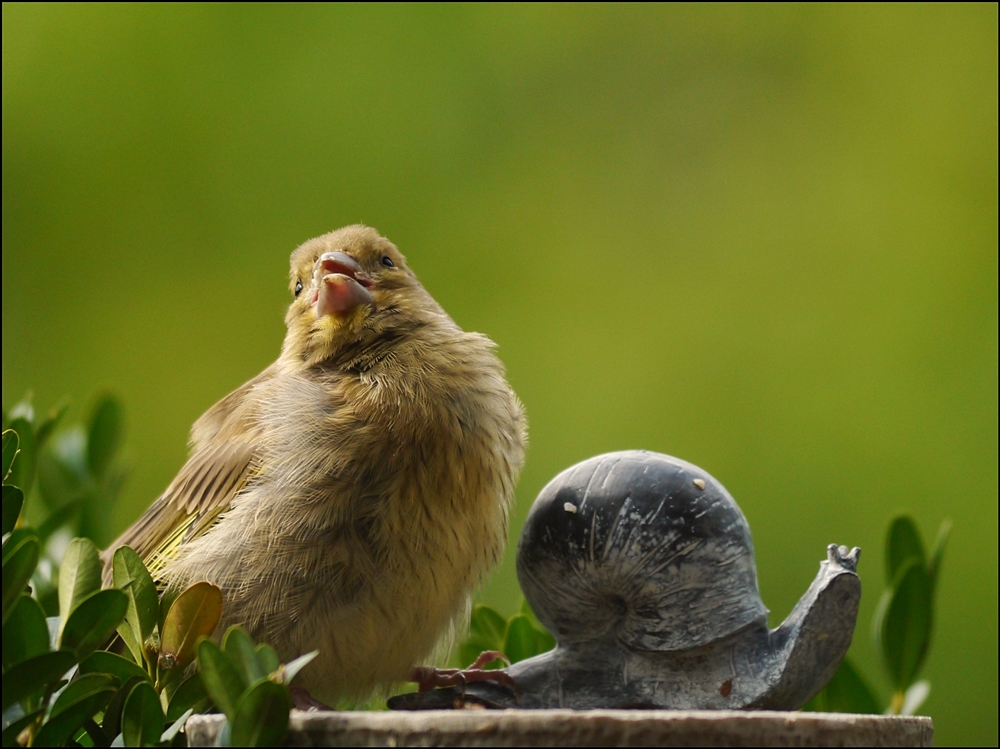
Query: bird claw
[{"x": 429, "y": 677}]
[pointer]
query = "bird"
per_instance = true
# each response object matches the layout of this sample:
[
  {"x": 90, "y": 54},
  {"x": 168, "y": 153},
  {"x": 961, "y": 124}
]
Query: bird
[{"x": 353, "y": 496}]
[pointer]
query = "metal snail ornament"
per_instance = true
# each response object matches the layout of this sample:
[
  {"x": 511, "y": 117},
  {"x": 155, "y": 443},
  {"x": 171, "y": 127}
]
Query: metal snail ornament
[{"x": 642, "y": 567}]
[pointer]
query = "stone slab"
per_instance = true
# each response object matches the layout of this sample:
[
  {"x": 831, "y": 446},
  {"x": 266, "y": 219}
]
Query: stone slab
[{"x": 588, "y": 728}]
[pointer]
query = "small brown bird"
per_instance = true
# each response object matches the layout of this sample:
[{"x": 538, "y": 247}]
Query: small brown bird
[{"x": 351, "y": 497}]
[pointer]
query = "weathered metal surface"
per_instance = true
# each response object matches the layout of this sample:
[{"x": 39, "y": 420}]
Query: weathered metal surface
[
  {"x": 587, "y": 728},
  {"x": 627, "y": 546},
  {"x": 642, "y": 567}
]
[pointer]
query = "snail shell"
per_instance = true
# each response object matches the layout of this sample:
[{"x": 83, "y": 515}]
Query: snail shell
[{"x": 641, "y": 547}]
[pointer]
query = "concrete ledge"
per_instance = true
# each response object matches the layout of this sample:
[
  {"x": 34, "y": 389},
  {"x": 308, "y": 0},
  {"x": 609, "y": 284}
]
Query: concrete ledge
[{"x": 587, "y": 728}]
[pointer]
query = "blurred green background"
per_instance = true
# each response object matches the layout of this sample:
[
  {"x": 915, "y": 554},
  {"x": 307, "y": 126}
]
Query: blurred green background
[{"x": 763, "y": 239}]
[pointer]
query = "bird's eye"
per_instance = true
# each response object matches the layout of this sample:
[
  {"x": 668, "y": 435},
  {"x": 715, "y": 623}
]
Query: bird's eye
[
  {"x": 298, "y": 287},
  {"x": 387, "y": 262}
]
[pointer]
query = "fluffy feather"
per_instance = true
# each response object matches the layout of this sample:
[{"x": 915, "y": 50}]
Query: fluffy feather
[{"x": 352, "y": 496}]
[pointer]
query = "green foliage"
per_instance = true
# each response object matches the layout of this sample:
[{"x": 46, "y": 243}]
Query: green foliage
[
  {"x": 59, "y": 685},
  {"x": 250, "y": 686},
  {"x": 92, "y": 623},
  {"x": 80, "y": 573},
  {"x": 104, "y": 435},
  {"x": 27, "y": 635},
  {"x": 75, "y": 470},
  {"x": 261, "y": 716},
  {"x": 73, "y": 708},
  {"x": 49, "y": 697},
  {"x": 142, "y": 716},
  {"x": 846, "y": 692},
  {"x": 131, "y": 576},
  {"x": 20, "y": 555},
  {"x": 110, "y": 665},
  {"x": 73, "y": 489},
  {"x": 902, "y": 627},
  {"x": 21, "y": 472},
  {"x": 13, "y": 500},
  {"x": 520, "y": 637}
]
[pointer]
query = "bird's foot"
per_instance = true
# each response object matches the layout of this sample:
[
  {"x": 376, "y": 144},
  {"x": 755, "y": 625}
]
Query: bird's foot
[
  {"x": 429, "y": 677},
  {"x": 302, "y": 700}
]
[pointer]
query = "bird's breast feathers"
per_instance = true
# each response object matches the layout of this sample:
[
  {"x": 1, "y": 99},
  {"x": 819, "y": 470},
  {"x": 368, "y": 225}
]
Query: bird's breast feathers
[{"x": 420, "y": 454}]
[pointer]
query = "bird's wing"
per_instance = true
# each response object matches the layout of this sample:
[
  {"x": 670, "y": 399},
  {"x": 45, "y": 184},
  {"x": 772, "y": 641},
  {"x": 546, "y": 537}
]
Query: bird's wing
[{"x": 222, "y": 461}]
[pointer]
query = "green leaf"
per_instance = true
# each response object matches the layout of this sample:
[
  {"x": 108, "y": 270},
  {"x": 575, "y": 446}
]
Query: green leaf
[
  {"x": 34, "y": 674},
  {"x": 470, "y": 650},
  {"x": 79, "y": 688},
  {"x": 133, "y": 646},
  {"x": 58, "y": 518},
  {"x": 293, "y": 667},
  {"x": 25, "y": 634},
  {"x": 79, "y": 702},
  {"x": 132, "y": 578},
  {"x": 175, "y": 727},
  {"x": 10, "y": 441},
  {"x": 93, "y": 622},
  {"x": 11, "y": 732},
  {"x": 142, "y": 717},
  {"x": 79, "y": 575},
  {"x": 268, "y": 659},
  {"x": 488, "y": 626},
  {"x": 903, "y": 623},
  {"x": 194, "y": 614},
  {"x": 846, "y": 692},
  {"x": 20, "y": 557},
  {"x": 15, "y": 539},
  {"x": 96, "y": 733},
  {"x": 45, "y": 589},
  {"x": 222, "y": 679},
  {"x": 934, "y": 565},
  {"x": 104, "y": 435},
  {"x": 902, "y": 544},
  {"x": 519, "y": 644},
  {"x": 544, "y": 641},
  {"x": 112, "y": 723},
  {"x": 103, "y": 662},
  {"x": 261, "y": 717},
  {"x": 528, "y": 612},
  {"x": 22, "y": 472},
  {"x": 189, "y": 694},
  {"x": 45, "y": 428},
  {"x": 62, "y": 468},
  {"x": 238, "y": 647},
  {"x": 13, "y": 501}
]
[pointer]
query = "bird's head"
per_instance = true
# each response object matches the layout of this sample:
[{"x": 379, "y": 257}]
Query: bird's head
[{"x": 351, "y": 286}]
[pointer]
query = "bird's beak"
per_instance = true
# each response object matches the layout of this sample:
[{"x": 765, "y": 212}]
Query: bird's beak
[{"x": 341, "y": 285}]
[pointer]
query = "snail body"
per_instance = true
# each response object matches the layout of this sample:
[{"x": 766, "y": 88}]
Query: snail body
[{"x": 642, "y": 567}]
